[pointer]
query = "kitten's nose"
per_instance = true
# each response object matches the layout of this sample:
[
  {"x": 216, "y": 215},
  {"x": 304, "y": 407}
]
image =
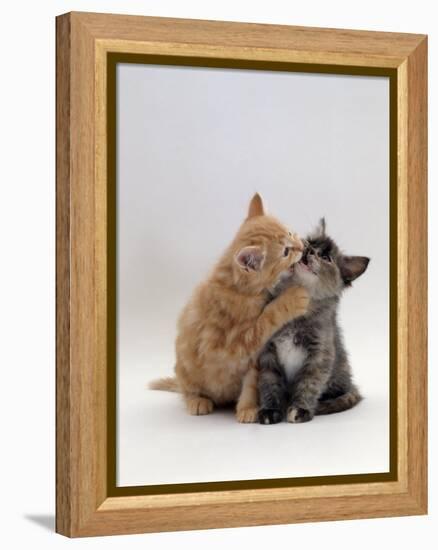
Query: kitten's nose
[{"x": 298, "y": 245}]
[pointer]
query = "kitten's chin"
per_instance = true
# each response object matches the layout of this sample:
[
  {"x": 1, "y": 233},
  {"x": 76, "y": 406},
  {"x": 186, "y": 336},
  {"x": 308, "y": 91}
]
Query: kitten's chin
[{"x": 305, "y": 276}]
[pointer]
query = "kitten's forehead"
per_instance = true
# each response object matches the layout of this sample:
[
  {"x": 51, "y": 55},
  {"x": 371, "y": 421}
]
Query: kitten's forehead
[{"x": 324, "y": 244}]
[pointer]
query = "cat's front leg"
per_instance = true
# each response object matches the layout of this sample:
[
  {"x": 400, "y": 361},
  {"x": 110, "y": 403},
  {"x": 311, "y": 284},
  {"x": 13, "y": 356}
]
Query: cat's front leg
[
  {"x": 306, "y": 388},
  {"x": 272, "y": 388},
  {"x": 247, "y": 404},
  {"x": 249, "y": 338}
]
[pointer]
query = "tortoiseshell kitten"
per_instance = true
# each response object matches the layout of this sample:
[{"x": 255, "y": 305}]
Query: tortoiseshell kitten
[{"x": 304, "y": 368}]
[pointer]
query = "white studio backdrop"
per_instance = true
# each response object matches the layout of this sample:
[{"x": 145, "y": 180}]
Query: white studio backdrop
[
  {"x": 193, "y": 145},
  {"x": 27, "y": 224}
]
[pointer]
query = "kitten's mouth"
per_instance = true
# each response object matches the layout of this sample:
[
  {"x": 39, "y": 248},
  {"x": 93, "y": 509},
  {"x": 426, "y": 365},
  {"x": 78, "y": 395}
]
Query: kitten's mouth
[{"x": 305, "y": 266}]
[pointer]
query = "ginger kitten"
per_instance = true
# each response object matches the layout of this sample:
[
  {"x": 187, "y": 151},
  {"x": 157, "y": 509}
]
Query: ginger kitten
[{"x": 227, "y": 321}]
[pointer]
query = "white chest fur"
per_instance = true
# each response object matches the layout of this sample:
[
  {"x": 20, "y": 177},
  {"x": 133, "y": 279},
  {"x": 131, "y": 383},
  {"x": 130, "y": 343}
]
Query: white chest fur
[{"x": 290, "y": 356}]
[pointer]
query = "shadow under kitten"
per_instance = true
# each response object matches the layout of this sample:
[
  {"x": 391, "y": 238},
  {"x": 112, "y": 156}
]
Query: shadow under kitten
[{"x": 304, "y": 369}]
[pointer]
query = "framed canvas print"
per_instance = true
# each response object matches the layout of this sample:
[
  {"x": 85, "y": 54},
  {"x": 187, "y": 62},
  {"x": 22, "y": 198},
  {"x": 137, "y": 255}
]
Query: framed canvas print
[{"x": 241, "y": 274}]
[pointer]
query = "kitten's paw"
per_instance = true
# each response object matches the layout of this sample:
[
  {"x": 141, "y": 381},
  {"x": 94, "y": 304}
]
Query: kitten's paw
[
  {"x": 297, "y": 299},
  {"x": 270, "y": 416},
  {"x": 199, "y": 405},
  {"x": 247, "y": 416},
  {"x": 297, "y": 415}
]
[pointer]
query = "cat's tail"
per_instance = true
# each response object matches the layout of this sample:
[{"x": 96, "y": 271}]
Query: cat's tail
[
  {"x": 341, "y": 403},
  {"x": 169, "y": 383}
]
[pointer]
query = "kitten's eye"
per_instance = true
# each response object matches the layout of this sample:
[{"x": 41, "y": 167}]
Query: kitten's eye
[
  {"x": 326, "y": 257},
  {"x": 286, "y": 251}
]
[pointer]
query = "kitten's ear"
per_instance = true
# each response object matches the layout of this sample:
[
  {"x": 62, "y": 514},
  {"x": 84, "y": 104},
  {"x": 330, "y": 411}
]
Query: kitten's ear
[
  {"x": 321, "y": 227},
  {"x": 319, "y": 231},
  {"x": 352, "y": 267},
  {"x": 255, "y": 207},
  {"x": 250, "y": 258}
]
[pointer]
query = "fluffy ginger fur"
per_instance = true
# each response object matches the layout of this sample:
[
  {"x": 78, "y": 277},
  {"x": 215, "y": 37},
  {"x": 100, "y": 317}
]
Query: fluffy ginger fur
[{"x": 227, "y": 321}]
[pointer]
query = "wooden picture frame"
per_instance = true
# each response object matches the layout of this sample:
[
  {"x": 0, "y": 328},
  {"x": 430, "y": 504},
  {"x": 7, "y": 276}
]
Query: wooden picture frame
[{"x": 88, "y": 45}]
